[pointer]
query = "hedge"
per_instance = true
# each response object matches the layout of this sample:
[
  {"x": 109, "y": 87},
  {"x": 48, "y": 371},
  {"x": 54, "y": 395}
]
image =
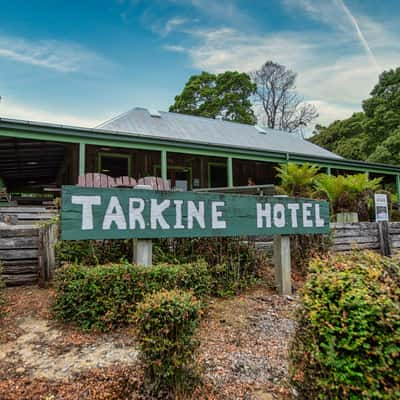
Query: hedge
[
  {"x": 105, "y": 297},
  {"x": 347, "y": 343},
  {"x": 166, "y": 323}
]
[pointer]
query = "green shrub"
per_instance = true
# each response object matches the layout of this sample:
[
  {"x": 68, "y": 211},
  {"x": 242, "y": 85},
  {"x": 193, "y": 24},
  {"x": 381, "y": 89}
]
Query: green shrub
[
  {"x": 104, "y": 297},
  {"x": 233, "y": 262},
  {"x": 347, "y": 342},
  {"x": 166, "y": 324},
  {"x": 93, "y": 252}
]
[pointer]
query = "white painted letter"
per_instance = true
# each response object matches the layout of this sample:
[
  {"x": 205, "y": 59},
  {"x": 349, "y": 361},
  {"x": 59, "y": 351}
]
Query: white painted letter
[
  {"x": 135, "y": 213},
  {"x": 293, "y": 207},
  {"x": 263, "y": 213},
  {"x": 114, "y": 213},
  {"x": 279, "y": 215},
  {"x": 216, "y": 223},
  {"x": 318, "y": 220},
  {"x": 307, "y": 222},
  {"x": 198, "y": 214},
  {"x": 87, "y": 203},
  {"x": 156, "y": 214},
  {"x": 178, "y": 211}
]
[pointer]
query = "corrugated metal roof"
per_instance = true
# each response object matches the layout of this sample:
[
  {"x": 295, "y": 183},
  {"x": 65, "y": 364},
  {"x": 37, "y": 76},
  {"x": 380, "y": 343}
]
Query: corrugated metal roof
[{"x": 211, "y": 131}]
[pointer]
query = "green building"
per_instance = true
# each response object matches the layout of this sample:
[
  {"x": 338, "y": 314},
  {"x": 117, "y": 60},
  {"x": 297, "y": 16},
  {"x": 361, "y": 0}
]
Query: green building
[{"x": 193, "y": 152}]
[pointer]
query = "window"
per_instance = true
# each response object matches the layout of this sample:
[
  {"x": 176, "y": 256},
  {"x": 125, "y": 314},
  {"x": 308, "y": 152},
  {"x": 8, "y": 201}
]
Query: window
[
  {"x": 179, "y": 177},
  {"x": 115, "y": 165},
  {"x": 217, "y": 175}
]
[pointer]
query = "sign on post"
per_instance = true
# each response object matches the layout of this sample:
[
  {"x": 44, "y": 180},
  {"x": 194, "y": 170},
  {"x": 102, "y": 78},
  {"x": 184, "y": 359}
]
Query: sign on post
[
  {"x": 94, "y": 213},
  {"x": 381, "y": 207},
  {"x": 97, "y": 213}
]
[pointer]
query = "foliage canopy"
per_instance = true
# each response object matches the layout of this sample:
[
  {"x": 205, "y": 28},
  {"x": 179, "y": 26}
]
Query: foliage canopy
[
  {"x": 225, "y": 95},
  {"x": 374, "y": 134}
]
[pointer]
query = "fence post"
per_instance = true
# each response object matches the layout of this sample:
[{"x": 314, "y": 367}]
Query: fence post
[
  {"x": 282, "y": 263},
  {"x": 384, "y": 238},
  {"x": 41, "y": 259},
  {"x": 143, "y": 248}
]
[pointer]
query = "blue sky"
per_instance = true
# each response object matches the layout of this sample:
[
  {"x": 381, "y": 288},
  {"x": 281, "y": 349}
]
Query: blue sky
[{"x": 82, "y": 62}]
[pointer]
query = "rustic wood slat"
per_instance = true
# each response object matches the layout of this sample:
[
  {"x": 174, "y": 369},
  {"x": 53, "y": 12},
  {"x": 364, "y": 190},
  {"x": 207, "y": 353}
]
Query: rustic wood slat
[
  {"x": 11, "y": 210},
  {"x": 354, "y": 232},
  {"x": 356, "y": 225},
  {"x": 349, "y": 246},
  {"x": 31, "y": 217},
  {"x": 21, "y": 262},
  {"x": 19, "y": 231},
  {"x": 20, "y": 269},
  {"x": 103, "y": 181},
  {"x": 20, "y": 279},
  {"x": 17, "y": 253},
  {"x": 395, "y": 243},
  {"x": 89, "y": 180},
  {"x": 110, "y": 181},
  {"x": 20, "y": 243},
  {"x": 96, "y": 179},
  {"x": 355, "y": 239}
]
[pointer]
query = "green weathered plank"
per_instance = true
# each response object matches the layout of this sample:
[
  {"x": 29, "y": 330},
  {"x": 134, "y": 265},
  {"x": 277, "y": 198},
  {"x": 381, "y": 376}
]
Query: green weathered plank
[{"x": 185, "y": 214}]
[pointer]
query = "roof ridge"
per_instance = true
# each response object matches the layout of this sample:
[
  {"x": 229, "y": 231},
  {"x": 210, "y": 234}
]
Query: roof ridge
[{"x": 207, "y": 118}]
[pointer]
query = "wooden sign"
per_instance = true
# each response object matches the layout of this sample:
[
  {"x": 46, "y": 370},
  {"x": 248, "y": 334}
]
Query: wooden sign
[{"x": 93, "y": 213}]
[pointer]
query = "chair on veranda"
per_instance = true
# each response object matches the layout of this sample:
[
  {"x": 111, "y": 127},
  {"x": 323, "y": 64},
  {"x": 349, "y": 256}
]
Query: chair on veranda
[{"x": 156, "y": 183}]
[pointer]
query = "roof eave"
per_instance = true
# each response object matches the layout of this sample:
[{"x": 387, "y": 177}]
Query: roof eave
[{"x": 85, "y": 133}]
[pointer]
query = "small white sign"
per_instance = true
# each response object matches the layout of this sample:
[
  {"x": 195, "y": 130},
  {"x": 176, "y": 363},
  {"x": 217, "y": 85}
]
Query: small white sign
[{"x": 381, "y": 207}]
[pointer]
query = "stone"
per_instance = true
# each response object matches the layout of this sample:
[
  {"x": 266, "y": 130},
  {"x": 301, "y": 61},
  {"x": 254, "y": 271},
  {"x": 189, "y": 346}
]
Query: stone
[{"x": 260, "y": 395}]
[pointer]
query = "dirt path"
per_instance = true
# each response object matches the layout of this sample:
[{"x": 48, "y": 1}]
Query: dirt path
[
  {"x": 244, "y": 344},
  {"x": 38, "y": 353}
]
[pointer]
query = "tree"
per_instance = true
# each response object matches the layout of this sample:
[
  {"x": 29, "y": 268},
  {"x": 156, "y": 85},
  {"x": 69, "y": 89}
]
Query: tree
[
  {"x": 372, "y": 135},
  {"x": 281, "y": 106},
  {"x": 225, "y": 96},
  {"x": 345, "y": 137}
]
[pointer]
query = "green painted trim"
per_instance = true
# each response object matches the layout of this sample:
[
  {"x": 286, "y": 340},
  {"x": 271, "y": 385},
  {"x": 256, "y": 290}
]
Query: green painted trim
[
  {"x": 219, "y": 164},
  {"x": 115, "y": 139},
  {"x": 398, "y": 189},
  {"x": 229, "y": 168},
  {"x": 102, "y": 154},
  {"x": 178, "y": 168},
  {"x": 82, "y": 159},
  {"x": 328, "y": 171},
  {"x": 164, "y": 165}
]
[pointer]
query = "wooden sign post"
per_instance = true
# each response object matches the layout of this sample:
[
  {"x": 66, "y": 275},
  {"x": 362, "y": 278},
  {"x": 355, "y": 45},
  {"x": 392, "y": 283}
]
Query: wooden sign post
[
  {"x": 114, "y": 213},
  {"x": 143, "y": 248}
]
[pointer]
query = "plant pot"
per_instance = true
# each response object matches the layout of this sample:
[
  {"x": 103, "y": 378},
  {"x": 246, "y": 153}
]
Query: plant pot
[{"x": 347, "y": 217}]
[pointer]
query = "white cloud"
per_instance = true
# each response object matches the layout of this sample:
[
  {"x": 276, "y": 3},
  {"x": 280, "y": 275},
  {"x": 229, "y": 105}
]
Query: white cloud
[
  {"x": 332, "y": 68},
  {"x": 329, "y": 112},
  {"x": 15, "y": 110},
  {"x": 338, "y": 15},
  {"x": 174, "y": 23},
  {"x": 221, "y": 10},
  {"x": 52, "y": 54},
  {"x": 174, "y": 48}
]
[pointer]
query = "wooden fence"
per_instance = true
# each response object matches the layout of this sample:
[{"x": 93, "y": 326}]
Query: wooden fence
[
  {"x": 19, "y": 245},
  {"x": 27, "y": 252}
]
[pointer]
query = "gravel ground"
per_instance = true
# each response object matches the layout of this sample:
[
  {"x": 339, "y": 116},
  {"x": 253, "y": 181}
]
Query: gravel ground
[
  {"x": 245, "y": 345},
  {"x": 243, "y": 351}
]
